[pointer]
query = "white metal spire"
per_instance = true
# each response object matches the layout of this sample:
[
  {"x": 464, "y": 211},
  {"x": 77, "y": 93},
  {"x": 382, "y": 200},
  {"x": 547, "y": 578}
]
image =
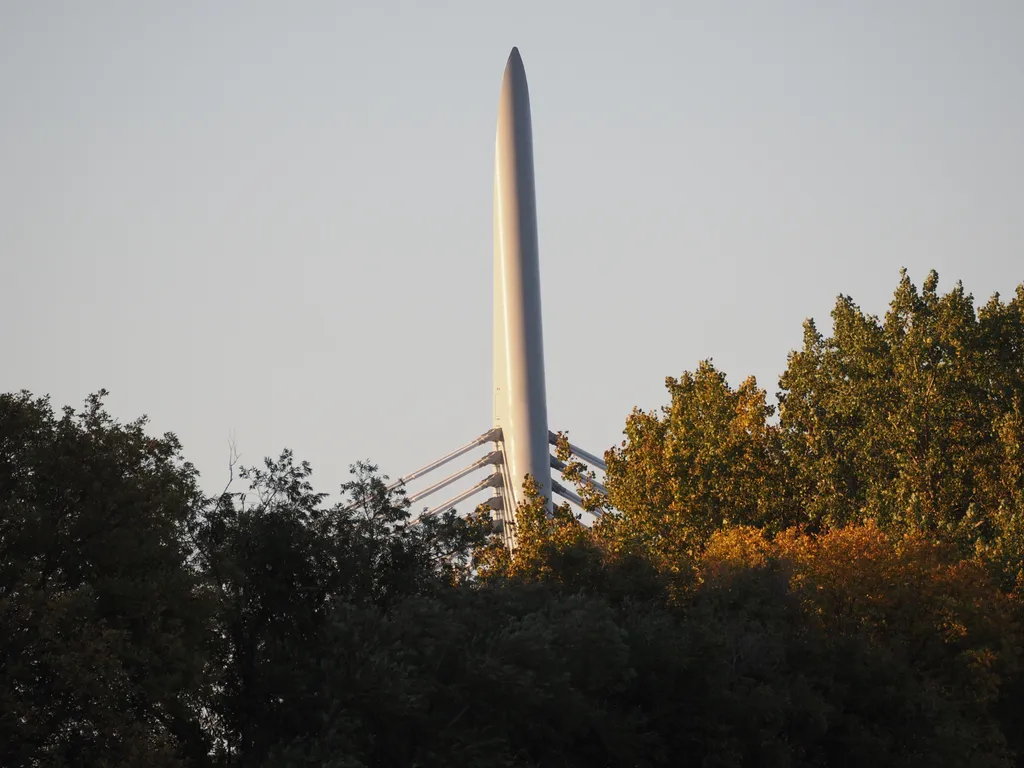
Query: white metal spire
[
  {"x": 520, "y": 432},
  {"x": 520, "y": 399}
]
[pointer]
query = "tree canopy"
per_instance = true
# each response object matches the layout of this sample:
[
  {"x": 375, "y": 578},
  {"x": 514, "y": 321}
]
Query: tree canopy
[{"x": 836, "y": 581}]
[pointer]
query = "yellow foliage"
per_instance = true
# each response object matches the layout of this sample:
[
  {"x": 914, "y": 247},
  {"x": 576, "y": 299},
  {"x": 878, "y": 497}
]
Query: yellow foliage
[{"x": 910, "y": 595}]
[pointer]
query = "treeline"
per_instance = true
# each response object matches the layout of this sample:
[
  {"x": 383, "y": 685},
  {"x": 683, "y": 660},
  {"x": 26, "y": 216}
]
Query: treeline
[{"x": 836, "y": 584}]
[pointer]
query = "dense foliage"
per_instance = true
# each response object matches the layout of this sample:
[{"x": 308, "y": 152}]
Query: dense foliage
[
  {"x": 837, "y": 584},
  {"x": 915, "y": 422}
]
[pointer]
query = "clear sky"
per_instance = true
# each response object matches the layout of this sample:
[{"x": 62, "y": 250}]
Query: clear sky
[{"x": 273, "y": 219}]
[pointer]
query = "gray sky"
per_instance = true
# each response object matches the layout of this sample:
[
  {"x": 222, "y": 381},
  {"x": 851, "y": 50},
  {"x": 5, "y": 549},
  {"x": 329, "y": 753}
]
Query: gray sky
[{"x": 273, "y": 219}]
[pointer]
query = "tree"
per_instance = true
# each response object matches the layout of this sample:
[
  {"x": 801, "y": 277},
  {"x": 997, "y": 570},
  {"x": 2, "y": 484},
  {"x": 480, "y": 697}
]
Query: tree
[
  {"x": 834, "y": 588},
  {"x": 711, "y": 459},
  {"x": 942, "y": 638},
  {"x": 914, "y": 421},
  {"x": 102, "y": 619},
  {"x": 282, "y": 568}
]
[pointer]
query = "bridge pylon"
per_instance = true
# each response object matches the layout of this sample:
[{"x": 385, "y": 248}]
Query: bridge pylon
[{"x": 520, "y": 436}]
